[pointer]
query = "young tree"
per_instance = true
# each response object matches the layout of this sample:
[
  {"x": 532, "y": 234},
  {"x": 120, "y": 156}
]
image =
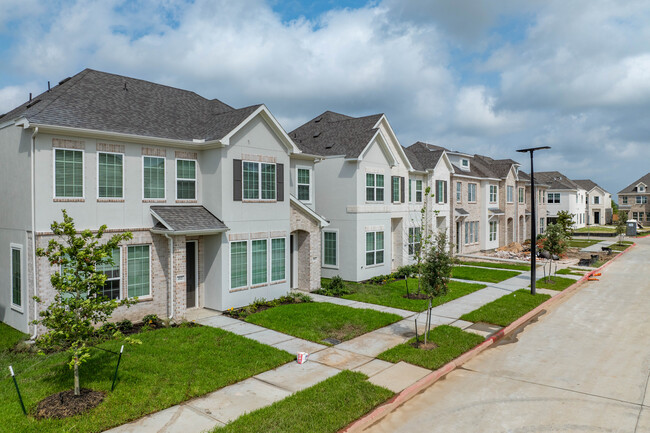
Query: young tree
[
  {"x": 555, "y": 242},
  {"x": 621, "y": 225},
  {"x": 435, "y": 273},
  {"x": 79, "y": 305},
  {"x": 422, "y": 237},
  {"x": 565, "y": 220}
]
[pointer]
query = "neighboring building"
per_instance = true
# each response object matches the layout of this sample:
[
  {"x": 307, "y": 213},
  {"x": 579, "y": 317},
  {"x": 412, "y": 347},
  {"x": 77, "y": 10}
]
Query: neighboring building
[
  {"x": 540, "y": 202},
  {"x": 563, "y": 194},
  {"x": 598, "y": 202},
  {"x": 201, "y": 185},
  {"x": 634, "y": 199}
]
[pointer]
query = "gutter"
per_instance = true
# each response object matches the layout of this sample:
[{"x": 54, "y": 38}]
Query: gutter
[{"x": 33, "y": 192}]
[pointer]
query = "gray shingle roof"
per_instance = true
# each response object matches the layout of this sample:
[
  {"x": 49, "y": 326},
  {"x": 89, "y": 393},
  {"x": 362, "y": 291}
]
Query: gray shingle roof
[
  {"x": 335, "y": 134},
  {"x": 108, "y": 102},
  {"x": 499, "y": 167},
  {"x": 462, "y": 212},
  {"x": 555, "y": 180},
  {"x": 632, "y": 187},
  {"x": 424, "y": 156},
  {"x": 187, "y": 219},
  {"x": 588, "y": 184}
]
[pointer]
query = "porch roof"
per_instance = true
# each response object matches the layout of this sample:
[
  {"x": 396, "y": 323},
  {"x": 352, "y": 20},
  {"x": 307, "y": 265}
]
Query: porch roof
[
  {"x": 461, "y": 212},
  {"x": 186, "y": 220}
]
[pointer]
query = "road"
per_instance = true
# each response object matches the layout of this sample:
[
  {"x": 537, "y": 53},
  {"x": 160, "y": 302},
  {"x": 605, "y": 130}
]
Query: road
[{"x": 582, "y": 367}]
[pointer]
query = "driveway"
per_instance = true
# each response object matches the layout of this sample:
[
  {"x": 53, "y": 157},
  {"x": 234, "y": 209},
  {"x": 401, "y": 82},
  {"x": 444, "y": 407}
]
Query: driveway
[{"x": 582, "y": 367}]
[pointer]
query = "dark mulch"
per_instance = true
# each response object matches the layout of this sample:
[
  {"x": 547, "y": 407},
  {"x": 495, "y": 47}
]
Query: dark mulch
[{"x": 64, "y": 404}]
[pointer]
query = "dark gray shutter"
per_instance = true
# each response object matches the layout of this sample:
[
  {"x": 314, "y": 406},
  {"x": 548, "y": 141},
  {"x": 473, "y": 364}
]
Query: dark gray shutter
[
  {"x": 236, "y": 179},
  {"x": 444, "y": 187},
  {"x": 401, "y": 185},
  {"x": 279, "y": 176}
]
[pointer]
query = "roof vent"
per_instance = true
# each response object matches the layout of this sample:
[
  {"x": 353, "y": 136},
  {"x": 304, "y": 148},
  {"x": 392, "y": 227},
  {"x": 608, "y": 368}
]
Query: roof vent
[
  {"x": 329, "y": 146},
  {"x": 318, "y": 120},
  {"x": 64, "y": 80},
  {"x": 125, "y": 87},
  {"x": 34, "y": 102},
  {"x": 317, "y": 134}
]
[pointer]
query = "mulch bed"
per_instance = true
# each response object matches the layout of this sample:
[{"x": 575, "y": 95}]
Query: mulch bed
[{"x": 64, "y": 404}]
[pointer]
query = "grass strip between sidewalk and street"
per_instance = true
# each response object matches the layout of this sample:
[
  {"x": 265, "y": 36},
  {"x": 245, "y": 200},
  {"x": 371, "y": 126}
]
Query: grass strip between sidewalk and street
[
  {"x": 451, "y": 342},
  {"x": 568, "y": 271},
  {"x": 326, "y": 407},
  {"x": 315, "y": 321},
  {"x": 477, "y": 274},
  {"x": 554, "y": 283},
  {"x": 9, "y": 336},
  {"x": 506, "y": 309},
  {"x": 497, "y": 265}
]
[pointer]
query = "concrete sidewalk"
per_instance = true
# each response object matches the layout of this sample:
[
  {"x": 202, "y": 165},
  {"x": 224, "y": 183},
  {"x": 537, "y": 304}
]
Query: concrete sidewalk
[{"x": 598, "y": 247}]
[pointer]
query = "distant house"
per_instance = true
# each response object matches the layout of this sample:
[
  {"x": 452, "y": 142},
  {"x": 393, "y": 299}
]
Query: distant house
[
  {"x": 598, "y": 202},
  {"x": 634, "y": 198},
  {"x": 563, "y": 194},
  {"x": 541, "y": 212}
]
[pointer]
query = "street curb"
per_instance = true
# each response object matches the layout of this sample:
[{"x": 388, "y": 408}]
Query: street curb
[{"x": 428, "y": 380}]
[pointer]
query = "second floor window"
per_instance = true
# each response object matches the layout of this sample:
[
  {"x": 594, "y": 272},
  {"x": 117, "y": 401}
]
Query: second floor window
[
  {"x": 304, "y": 185},
  {"x": 395, "y": 189},
  {"x": 68, "y": 173},
  {"x": 258, "y": 181},
  {"x": 596, "y": 199},
  {"x": 553, "y": 197},
  {"x": 471, "y": 192},
  {"x": 185, "y": 179},
  {"x": 110, "y": 175},
  {"x": 641, "y": 199},
  {"x": 493, "y": 194},
  {"x": 374, "y": 187},
  {"x": 459, "y": 193},
  {"x": 153, "y": 175},
  {"x": 510, "y": 194},
  {"x": 522, "y": 197},
  {"x": 418, "y": 191}
]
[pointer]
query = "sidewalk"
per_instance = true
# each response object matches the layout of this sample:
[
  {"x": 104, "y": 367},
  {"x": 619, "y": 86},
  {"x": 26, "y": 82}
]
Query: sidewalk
[
  {"x": 227, "y": 404},
  {"x": 597, "y": 248}
]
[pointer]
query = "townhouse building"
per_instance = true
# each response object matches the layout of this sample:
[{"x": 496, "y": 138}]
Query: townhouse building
[
  {"x": 634, "y": 199},
  {"x": 598, "y": 202},
  {"x": 541, "y": 212},
  {"x": 202, "y": 186},
  {"x": 563, "y": 194}
]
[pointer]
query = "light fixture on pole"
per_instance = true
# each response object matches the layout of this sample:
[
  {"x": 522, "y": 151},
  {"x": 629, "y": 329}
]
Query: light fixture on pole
[{"x": 533, "y": 224}]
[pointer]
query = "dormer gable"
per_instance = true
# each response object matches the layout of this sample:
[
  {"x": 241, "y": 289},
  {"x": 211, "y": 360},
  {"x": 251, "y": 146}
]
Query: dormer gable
[{"x": 641, "y": 187}]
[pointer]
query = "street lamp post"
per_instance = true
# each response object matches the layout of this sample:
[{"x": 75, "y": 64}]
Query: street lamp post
[{"x": 533, "y": 217}]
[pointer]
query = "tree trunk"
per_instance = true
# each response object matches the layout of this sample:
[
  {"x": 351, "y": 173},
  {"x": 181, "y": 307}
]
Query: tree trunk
[{"x": 77, "y": 390}]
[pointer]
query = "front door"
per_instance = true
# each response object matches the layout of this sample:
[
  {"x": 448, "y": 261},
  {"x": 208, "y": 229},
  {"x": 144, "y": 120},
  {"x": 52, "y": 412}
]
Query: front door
[
  {"x": 596, "y": 217},
  {"x": 190, "y": 273}
]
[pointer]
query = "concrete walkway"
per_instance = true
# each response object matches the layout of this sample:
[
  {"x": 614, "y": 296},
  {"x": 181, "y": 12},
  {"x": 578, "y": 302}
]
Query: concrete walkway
[
  {"x": 584, "y": 366},
  {"x": 227, "y": 404},
  {"x": 598, "y": 247}
]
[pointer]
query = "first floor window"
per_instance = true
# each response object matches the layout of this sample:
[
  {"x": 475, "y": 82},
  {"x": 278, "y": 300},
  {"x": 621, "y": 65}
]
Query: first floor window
[
  {"x": 493, "y": 230},
  {"x": 278, "y": 259},
  {"x": 522, "y": 197},
  {"x": 471, "y": 232},
  {"x": 330, "y": 248},
  {"x": 238, "y": 264},
  {"x": 259, "y": 260},
  {"x": 374, "y": 248},
  {"x": 109, "y": 175},
  {"x": 16, "y": 277},
  {"x": 418, "y": 191},
  {"x": 111, "y": 288},
  {"x": 304, "y": 184},
  {"x": 186, "y": 179},
  {"x": 415, "y": 238},
  {"x": 138, "y": 271},
  {"x": 374, "y": 187},
  {"x": 153, "y": 176},
  {"x": 68, "y": 173},
  {"x": 635, "y": 216},
  {"x": 510, "y": 194}
]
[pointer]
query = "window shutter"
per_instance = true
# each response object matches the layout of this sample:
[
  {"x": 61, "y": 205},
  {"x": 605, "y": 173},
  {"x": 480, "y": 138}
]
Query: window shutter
[
  {"x": 279, "y": 176},
  {"x": 444, "y": 187},
  {"x": 402, "y": 187},
  {"x": 236, "y": 179}
]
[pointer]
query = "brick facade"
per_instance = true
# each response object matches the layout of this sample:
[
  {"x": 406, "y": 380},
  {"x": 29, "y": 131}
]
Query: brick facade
[{"x": 307, "y": 234}]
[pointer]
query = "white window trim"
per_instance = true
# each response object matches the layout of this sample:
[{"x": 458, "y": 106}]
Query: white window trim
[
  {"x": 196, "y": 176},
  {"x": 464, "y": 163},
  {"x": 249, "y": 252},
  {"x": 522, "y": 195},
  {"x": 468, "y": 194},
  {"x": 496, "y": 193},
  {"x": 512, "y": 196},
  {"x": 83, "y": 172},
  {"x": 15, "y": 307},
  {"x": 494, "y": 224},
  {"x": 365, "y": 251},
  {"x": 270, "y": 258},
  {"x": 123, "y": 174},
  {"x": 399, "y": 189},
  {"x": 375, "y": 187},
  {"x": 259, "y": 183},
  {"x": 410, "y": 241},
  {"x": 421, "y": 191},
  {"x": 311, "y": 178},
  {"x": 164, "y": 198},
  {"x": 459, "y": 192},
  {"x": 121, "y": 296},
  {"x": 150, "y": 295},
  {"x": 336, "y": 266},
  {"x": 248, "y": 266}
]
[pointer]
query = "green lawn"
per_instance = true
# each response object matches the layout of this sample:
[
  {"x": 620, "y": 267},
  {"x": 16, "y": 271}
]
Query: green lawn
[
  {"x": 315, "y": 321},
  {"x": 170, "y": 366},
  {"x": 596, "y": 229},
  {"x": 324, "y": 408},
  {"x": 581, "y": 243},
  {"x": 451, "y": 341},
  {"x": 506, "y": 309},
  {"x": 621, "y": 247},
  {"x": 9, "y": 336},
  {"x": 392, "y": 294},
  {"x": 477, "y": 274},
  {"x": 568, "y": 271},
  {"x": 514, "y": 267},
  {"x": 555, "y": 283}
]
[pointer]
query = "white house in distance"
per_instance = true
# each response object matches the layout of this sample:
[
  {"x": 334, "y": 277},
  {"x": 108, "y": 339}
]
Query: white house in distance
[
  {"x": 598, "y": 202},
  {"x": 563, "y": 194}
]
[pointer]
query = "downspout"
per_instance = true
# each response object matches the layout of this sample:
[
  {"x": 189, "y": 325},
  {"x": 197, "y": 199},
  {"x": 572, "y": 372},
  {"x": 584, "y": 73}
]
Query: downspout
[
  {"x": 171, "y": 275},
  {"x": 33, "y": 186}
]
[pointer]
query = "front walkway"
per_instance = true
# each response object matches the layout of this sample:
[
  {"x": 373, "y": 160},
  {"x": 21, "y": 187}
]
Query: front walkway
[{"x": 598, "y": 247}]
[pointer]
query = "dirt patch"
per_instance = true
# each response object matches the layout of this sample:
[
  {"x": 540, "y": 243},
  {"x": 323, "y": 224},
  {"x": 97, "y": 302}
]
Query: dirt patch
[
  {"x": 415, "y": 296},
  {"x": 347, "y": 331},
  {"x": 64, "y": 404},
  {"x": 429, "y": 346}
]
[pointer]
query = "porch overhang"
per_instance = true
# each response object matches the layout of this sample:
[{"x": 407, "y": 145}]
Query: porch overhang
[{"x": 185, "y": 220}]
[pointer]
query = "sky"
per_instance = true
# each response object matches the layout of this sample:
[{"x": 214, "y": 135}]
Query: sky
[{"x": 485, "y": 77}]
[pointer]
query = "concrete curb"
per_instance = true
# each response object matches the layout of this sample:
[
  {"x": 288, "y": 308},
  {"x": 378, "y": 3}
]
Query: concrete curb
[{"x": 430, "y": 379}]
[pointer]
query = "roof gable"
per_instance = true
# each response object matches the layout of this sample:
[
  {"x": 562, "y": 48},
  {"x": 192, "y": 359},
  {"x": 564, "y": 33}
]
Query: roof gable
[{"x": 631, "y": 188}]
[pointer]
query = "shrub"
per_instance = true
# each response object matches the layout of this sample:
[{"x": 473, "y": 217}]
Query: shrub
[
  {"x": 405, "y": 271},
  {"x": 336, "y": 287},
  {"x": 152, "y": 321},
  {"x": 124, "y": 326},
  {"x": 108, "y": 329}
]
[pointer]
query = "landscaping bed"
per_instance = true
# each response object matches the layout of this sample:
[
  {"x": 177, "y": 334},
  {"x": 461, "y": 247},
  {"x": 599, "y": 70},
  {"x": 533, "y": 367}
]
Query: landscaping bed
[
  {"x": 323, "y": 408},
  {"x": 477, "y": 274},
  {"x": 506, "y": 309},
  {"x": 449, "y": 342}
]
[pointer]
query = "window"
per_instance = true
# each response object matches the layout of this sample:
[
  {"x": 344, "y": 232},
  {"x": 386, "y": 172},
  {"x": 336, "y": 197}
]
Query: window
[
  {"x": 459, "y": 193},
  {"x": 624, "y": 199},
  {"x": 464, "y": 163},
  {"x": 259, "y": 261},
  {"x": 596, "y": 199},
  {"x": 111, "y": 288},
  {"x": 577, "y": 198},
  {"x": 138, "y": 271},
  {"x": 278, "y": 259},
  {"x": 374, "y": 187},
  {"x": 493, "y": 230},
  {"x": 641, "y": 216},
  {"x": 258, "y": 181},
  {"x": 238, "y": 264},
  {"x": 641, "y": 188},
  {"x": 418, "y": 191},
  {"x": 471, "y": 232},
  {"x": 635, "y": 216},
  {"x": 395, "y": 189},
  {"x": 541, "y": 225},
  {"x": 641, "y": 199},
  {"x": 441, "y": 191},
  {"x": 153, "y": 172},
  {"x": 68, "y": 173},
  {"x": 304, "y": 184},
  {"x": 185, "y": 179},
  {"x": 374, "y": 248},
  {"x": 553, "y": 197},
  {"x": 471, "y": 192},
  {"x": 510, "y": 194},
  {"x": 415, "y": 239},
  {"x": 522, "y": 196},
  {"x": 410, "y": 190},
  {"x": 493, "y": 194},
  {"x": 110, "y": 175},
  {"x": 330, "y": 249},
  {"x": 16, "y": 276}
]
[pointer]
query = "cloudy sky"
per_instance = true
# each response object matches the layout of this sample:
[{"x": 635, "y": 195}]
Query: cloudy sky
[{"x": 478, "y": 76}]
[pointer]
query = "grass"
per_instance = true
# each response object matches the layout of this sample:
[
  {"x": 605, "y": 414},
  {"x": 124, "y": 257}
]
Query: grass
[
  {"x": 451, "y": 342},
  {"x": 315, "y": 321},
  {"x": 568, "y": 271},
  {"x": 506, "y": 309},
  {"x": 622, "y": 247},
  {"x": 323, "y": 408},
  {"x": 9, "y": 336},
  {"x": 477, "y": 274},
  {"x": 555, "y": 283},
  {"x": 511, "y": 266},
  {"x": 598, "y": 229},
  {"x": 170, "y": 366},
  {"x": 581, "y": 243},
  {"x": 392, "y": 294}
]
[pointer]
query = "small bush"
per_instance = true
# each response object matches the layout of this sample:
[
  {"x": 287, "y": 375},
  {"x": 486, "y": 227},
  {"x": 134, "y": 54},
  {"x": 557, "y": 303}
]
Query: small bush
[
  {"x": 108, "y": 329},
  {"x": 124, "y": 326},
  {"x": 405, "y": 271},
  {"x": 336, "y": 287},
  {"x": 152, "y": 321}
]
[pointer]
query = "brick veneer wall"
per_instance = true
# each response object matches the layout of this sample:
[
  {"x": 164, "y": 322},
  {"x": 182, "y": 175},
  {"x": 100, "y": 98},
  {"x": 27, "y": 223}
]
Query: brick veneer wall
[{"x": 309, "y": 252}]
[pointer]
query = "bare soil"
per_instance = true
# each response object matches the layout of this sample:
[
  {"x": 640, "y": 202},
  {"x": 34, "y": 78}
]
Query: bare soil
[
  {"x": 429, "y": 346},
  {"x": 64, "y": 404}
]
